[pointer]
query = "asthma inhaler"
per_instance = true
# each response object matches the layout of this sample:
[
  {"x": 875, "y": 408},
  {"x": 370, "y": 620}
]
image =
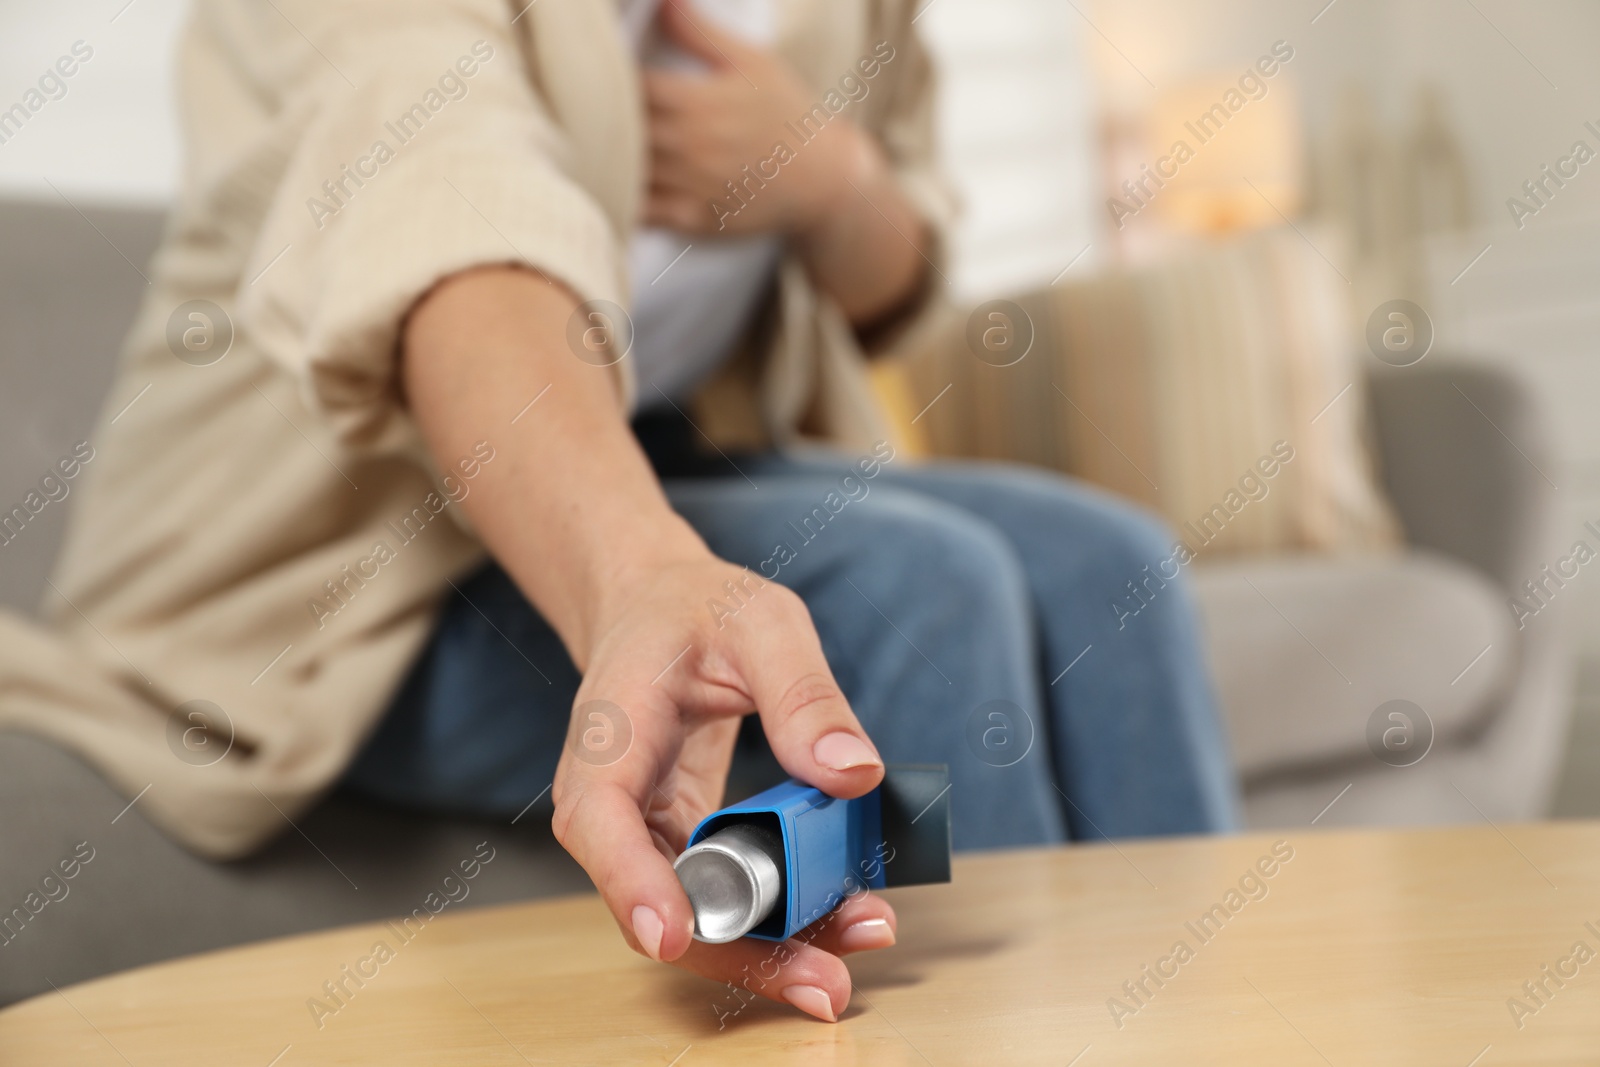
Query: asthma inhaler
[{"x": 774, "y": 864}]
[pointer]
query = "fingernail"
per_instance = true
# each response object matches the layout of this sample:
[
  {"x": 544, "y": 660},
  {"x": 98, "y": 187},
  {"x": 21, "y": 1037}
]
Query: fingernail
[
  {"x": 866, "y": 934},
  {"x": 647, "y": 928},
  {"x": 812, "y": 1000},
  {"x": 840, "y": 751}
]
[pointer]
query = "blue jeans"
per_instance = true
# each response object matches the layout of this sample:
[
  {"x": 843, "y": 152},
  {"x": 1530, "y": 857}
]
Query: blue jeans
[{"x": 966, "y": 610}]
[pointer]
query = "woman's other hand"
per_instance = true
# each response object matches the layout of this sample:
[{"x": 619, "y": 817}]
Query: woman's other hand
[
  {"x": 705, "y": 127},
  {"x": 833, "y": 194}
]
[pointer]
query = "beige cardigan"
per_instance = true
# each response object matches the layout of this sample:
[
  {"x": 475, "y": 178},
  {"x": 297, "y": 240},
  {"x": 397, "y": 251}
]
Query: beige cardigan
[{"x": 225, "y": 502}]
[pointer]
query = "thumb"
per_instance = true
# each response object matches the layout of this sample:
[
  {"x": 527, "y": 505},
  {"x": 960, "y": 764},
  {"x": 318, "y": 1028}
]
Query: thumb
[
  {"x": 808, "y": 722},
  {"x": 700, "y": 36}
]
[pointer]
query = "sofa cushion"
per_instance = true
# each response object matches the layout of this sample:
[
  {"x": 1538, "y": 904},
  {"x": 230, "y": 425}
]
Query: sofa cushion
[
  {"x": 69, "y": 287},
  {"x": 1305, "y": 649},
  {"x": 134, "y": 897},
  {"x": 1214, "y": 387}
]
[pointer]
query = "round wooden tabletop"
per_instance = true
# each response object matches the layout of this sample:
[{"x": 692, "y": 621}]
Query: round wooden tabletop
[{"x": 1469, "y": 946}]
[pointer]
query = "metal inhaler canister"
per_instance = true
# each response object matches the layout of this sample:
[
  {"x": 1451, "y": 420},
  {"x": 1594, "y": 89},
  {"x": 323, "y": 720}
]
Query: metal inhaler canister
[
  {"x": 734, "y": 879},
  {"x": 772, "y": 865}
]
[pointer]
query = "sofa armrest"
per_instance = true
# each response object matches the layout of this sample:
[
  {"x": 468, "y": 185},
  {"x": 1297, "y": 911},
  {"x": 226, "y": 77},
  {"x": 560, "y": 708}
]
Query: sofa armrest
[{"x": 1468, "y": 463}]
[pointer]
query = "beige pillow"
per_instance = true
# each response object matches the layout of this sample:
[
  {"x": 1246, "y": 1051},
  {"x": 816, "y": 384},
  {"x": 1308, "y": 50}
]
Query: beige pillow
[{"x": 1223, "y": 389}]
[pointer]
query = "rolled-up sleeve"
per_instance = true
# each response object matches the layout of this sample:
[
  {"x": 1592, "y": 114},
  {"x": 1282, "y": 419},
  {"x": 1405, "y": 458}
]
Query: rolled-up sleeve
[{"x": 415, "y": 147}]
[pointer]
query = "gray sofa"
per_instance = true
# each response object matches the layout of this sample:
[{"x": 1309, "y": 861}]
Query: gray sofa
[
  {"x": 1307, "y": 653},
  {"x": 1303, "y": 653}
]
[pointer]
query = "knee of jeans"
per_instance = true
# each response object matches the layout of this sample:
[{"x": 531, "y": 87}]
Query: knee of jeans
[
  {"x": 1120, "y": 543},
  {"x": 930, "y": 549},
  {"x": 1144, "y": 537},
  {"x": 1110, "y": 533}
]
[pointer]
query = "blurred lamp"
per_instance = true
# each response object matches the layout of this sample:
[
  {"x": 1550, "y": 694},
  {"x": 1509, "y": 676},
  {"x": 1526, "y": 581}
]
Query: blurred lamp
[{"x": 1239, "y": 130}]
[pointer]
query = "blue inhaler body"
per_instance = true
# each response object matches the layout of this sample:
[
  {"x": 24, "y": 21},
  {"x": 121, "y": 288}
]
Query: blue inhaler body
[{"x": 772, "y": 865}]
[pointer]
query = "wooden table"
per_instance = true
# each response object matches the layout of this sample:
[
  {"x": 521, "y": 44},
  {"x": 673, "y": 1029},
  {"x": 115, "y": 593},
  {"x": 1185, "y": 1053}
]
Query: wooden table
[{"x": 1363, "y": 948}]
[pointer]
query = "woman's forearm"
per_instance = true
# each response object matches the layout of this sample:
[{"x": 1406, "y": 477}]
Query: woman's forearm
[
  {"x": 573, "y": 511},
  {"x": 868, "y": 250}
]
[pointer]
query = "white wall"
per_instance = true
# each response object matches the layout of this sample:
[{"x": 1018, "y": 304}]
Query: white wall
[
  {"x": 1509, "y": 117},
  {"x": 1017, "y": 129},
  {"x": 112, "y": 137}
]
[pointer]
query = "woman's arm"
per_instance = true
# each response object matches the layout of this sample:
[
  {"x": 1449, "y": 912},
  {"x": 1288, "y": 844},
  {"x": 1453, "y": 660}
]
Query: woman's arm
[
  {"x": 867, "y": 248},
  {"x": 576, "y": 517},
  {"x": 576, "y": 491}
]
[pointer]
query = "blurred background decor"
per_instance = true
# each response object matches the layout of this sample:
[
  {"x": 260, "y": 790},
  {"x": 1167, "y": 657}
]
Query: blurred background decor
[{"x": 1353, "y": 535}]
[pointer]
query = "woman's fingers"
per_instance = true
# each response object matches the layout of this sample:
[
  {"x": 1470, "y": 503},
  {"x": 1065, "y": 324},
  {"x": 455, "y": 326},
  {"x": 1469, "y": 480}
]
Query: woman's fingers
[
  {"x": 671, "y": 170},
  {"x": 668, "y": 93},
  {"x": 789, "y": 972},
  {"x": 863, "y": 922},
  {"x": 807, "y": 720},
  {"x": 805, "y": 970},
  {"x": 603, "y": 827},
  {"x": 675, "y": 211}
]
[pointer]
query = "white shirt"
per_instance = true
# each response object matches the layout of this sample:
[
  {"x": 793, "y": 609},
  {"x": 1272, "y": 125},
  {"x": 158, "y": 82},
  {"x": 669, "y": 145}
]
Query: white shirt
[{"x": 693, "y": 298}]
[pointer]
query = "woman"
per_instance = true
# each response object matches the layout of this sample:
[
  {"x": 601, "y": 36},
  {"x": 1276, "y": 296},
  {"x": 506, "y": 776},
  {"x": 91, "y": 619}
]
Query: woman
[{"x": 393, "y": 285}]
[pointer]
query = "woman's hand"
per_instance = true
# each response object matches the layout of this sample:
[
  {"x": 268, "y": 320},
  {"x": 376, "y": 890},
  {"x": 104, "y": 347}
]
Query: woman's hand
[
  {"x": 575, "y": 514},
  {"x": 648, "y": 752},
  {"x": 833, "y": 195},
  {"x": 706, "y": 126}
]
